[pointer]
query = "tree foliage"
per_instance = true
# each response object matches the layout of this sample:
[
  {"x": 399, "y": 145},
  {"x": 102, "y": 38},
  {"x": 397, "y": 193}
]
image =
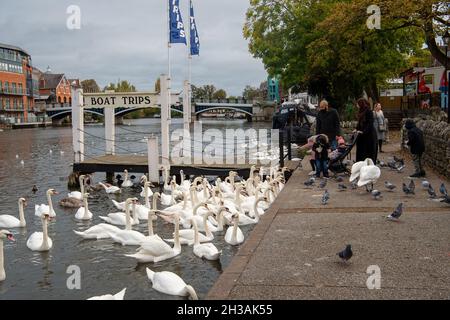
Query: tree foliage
[
  {"x": 325, "y": 46},
  {"x": 121, "y": 86},
  {"x": 208, "y": 92}
]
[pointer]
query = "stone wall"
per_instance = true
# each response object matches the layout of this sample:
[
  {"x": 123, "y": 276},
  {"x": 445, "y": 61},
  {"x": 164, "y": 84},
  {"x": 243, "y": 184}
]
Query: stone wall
[{"x": 437, "y": 141}]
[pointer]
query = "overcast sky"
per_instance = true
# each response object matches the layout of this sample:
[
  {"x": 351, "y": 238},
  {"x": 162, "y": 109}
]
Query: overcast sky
[{"x": 122, "y": 39}]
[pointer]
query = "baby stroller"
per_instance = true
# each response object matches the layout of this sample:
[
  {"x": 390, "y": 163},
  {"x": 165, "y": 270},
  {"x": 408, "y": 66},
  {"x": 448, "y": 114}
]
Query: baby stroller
[{"x": 339, "y": 165}]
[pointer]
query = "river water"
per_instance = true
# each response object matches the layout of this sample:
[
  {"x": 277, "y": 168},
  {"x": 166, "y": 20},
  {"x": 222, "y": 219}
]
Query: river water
[{"x": 47, "y": 158}]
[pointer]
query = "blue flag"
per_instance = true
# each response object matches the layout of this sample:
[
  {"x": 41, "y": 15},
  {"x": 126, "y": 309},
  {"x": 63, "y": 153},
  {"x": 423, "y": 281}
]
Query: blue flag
[
  {"x": 177, "y": 34},
  {"x": 195, "y": 42}
]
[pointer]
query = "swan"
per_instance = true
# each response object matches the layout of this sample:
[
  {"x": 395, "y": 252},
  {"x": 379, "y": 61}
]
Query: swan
[
  {"x": 146, "y": 191},
  {"x": 44, "y": 208},
  {"x": 8, "y": 221},
  {"x": 83, "y": 213},
  {"x": 169, "y": 283},
  {"x": 77, "y": 194},
  {"x": 204, "y": 250},
  {"x": 168, "y": 200},
  {"x": 109, "y": 188},
  {"x": 167, "y": 186},
  {"x": 246, "y": 220},
  {"x": 187, "y": 236},
  {"x": 120, "y": 218},
  {"x": 355, "y": 172},
  {"x": 4, "y": 234},
  {"x": 40, "y": 241},
  {"x": 155, "y": 251},
  {"x": 128, "y": 237},
  {"x": 184, "y": 184},
  {"x": 117, "y": 296},
  {"x": 369, "y": 173},
  {"x": 70, "y": 203},
  {"x": 99, "y": 231},
  {"x": 126, "y": 182},
  {"x": 234, "y": 235}
]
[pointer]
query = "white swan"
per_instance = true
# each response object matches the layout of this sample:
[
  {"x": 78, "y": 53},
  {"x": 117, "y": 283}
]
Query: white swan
[
  {"x": 356, "y": 167},
  {"x": 117, "y": 296},
  {"x": 40, "y": 241},
  {"x": 369, "y": 173},
  {"x": 234, "y": 235},
  {"x": 169, "y": 283},
  {"x": 128, "y": 237},
  {"x": 155, "y": 251},
  {"x": 99, "y": 231},
  {"x": 109, "y": 188},
  {"x": 39, "y": 210},
  {"x": 167, "y": 186},
  {"x": 120, "y": 218},
  {"x": 126, "y": 182},
  {"x": 204, "y": 250},
  {"x": 146, "y": 191},
  {"x": 4, "y": 234},
  {"x": 8, "y": 221},
  {"x": 168, "y": 200},
  {"x": 83, "y": 213},
  {"x": 77, "y": 194},
  {"x": 246, "y": 220}
]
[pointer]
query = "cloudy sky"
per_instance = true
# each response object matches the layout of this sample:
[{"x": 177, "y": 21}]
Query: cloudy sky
[{"x": 127, "y": 40}]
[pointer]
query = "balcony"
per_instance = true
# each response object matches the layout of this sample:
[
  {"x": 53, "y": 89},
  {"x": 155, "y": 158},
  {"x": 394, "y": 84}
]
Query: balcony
[{"x": 13, "y": 92}]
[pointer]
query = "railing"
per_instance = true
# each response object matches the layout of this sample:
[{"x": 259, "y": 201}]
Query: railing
[
  {"x": 12, "y": 91},
  {"x": 239, "y": 101}
]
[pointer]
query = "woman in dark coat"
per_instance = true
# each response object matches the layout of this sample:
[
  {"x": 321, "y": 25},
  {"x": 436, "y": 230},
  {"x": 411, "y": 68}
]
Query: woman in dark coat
[{"x": 366, "y": 145}]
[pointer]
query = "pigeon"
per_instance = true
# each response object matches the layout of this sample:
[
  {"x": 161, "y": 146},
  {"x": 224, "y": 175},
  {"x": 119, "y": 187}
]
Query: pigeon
[
  {"x": 431, "y": 192},
  {"x": 34, "y": 189},
  {"x": 354, "y": 185},
  {"x": 369, "y": 187},
  {"x": 425, "y": 184},
  {"x": 443, "y": 190},
  {"x": 410, "y": 188},
  {"x": 339, "y": 179},
  {"x": 346, "y": 254},
  {"x": 325, "y": 197},
  {"x": 376, "y": 194},
  {"x": 309, "y": 182},
  {"x": 400, "y": 168},
  {"x": 446, "y": 199},
  {"x": 399, "y": 160},
  {"x": 342, "y": 187},
  {"x": 396, "y": 213},
  {"x": 323, "y": 183},
  {"x": 389, "y": 186}
]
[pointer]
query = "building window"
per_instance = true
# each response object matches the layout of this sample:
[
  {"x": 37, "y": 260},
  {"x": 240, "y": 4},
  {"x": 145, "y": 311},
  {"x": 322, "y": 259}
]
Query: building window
[
  {"x": 3, "y": 66},
  {"x": 59, "y": 100},
  {"x": 1, "y": 103},
  {"x": 14, "y": 89},
  {"x": 14, "y": 103},
  {"x": 1, "y": 86},
  {"x": 65, "y": 100},
  {"x": 7, "y": 103},
  {"x": 6, "y": 86},
  {"x": 20, "y": 88},
  {"x": 20, "y": 104}
]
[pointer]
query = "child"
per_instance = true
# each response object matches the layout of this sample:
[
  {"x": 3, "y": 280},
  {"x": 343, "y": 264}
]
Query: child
[
  {"x": 342, "y": 147},
  {"x": 308, "y": 146},
  {"x": 416, "y": 146},
  {"x": 321, "y": 148}
]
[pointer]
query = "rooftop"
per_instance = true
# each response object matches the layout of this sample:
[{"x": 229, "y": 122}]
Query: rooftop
[{"x": 15, "y": 48}]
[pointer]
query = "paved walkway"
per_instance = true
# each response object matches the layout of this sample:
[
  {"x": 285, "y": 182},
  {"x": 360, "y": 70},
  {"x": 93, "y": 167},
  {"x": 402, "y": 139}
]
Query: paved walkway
[{"x": 291, "y": 253}]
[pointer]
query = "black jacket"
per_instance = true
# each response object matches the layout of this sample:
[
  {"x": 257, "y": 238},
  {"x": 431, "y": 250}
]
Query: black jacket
[
  {"x": 328, "y": 123},
  {"x": 415, "y": 140}
]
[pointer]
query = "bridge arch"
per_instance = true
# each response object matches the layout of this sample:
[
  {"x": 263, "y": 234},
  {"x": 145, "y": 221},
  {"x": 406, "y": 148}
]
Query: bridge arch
[
  {"x": 199, "y": 110},
  {"x": 64, "y": 113},
  {"x": 124, "y": 111}
]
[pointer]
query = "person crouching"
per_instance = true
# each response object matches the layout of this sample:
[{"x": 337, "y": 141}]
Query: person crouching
[{"x": 321, "y": 148}]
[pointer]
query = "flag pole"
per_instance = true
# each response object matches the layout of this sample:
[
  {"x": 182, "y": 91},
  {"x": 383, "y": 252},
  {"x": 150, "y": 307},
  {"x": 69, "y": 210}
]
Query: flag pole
[
  {"x": 169, "y": 71},
  {"x": 189, "y": 63}
]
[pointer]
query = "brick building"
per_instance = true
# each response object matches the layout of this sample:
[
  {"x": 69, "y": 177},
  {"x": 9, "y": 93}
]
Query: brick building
[
  {"x": 16, "y": 83},
  {"x": 54, "y": 88}
]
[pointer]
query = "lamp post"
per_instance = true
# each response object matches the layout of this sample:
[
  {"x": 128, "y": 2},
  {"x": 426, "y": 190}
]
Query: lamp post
[{"x": 446, "y": 38}]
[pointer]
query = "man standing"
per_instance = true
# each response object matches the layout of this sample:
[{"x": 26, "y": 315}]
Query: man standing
[
  {"x": 328, "y": 123},
  {"x": 416, "y": 147}
]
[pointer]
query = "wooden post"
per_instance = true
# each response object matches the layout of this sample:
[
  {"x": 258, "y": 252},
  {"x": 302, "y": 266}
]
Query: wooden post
[
  {"x": 186, "y": 106},
  {"x": 77, "y": 124},
  {"x": 153, "y": 159},
  {"x": 109, "y": 130},
  {"x": 165, "y": 119}
]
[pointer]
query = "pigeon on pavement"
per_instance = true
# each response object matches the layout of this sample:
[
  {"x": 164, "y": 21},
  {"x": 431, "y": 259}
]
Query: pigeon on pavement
[
  {"x": 342, "y": 187},
  {"x": 396, "y": 213},
  {"x": 309, "y": 182},
  {"x": 346, "y": 254},
  {"x": 443, "y": 190},
  {"x": 376, "y": 194},
  {"x": 325, "y": 197},
  {"x": 323, "y": 183},
  {"x": 431, "y": 192},
  {"x": 389, "y": 186}
]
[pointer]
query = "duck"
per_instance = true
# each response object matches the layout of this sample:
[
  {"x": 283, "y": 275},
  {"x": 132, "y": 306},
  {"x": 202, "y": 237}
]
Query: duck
[
  {"x": 110, "y": 188},
  {"x": 46, "y": 208},
  {"x": 8, "y": 221},
  {"x": 234, "y": 235},
  {"x": 117, "y": 296},
  {"x": 204, "y": 250},
  {"x": 34, "y": 189},
  {"x": 4, "y": 235},
  {"x": 40, "y": 241},
  {"x": 170, "y": 283},
  {"x": 126, "y": 182},
  {"x": 83, "y": 213}
]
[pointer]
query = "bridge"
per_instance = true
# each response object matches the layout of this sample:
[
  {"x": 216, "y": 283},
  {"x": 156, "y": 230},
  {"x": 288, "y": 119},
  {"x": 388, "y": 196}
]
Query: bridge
[{"x": 57, "y": 112}]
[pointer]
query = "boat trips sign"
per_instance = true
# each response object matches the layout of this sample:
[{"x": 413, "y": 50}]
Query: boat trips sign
[{"x": 120, "y": 99}]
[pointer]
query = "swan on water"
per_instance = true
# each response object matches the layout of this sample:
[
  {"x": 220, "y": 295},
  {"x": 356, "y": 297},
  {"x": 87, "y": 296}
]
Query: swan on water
[
  {"x": 120, "y": 218},
  {"x": 77, "y": 194},
  {"x": 83, "y": 213},
  {"x": 128, "y": 237},
  {"x": 46, "y": 208},
  {"x": 110, "y": 188},
  {"x": 40, "y": 241},
  {"x": 234, "y": 235},
  {"x": 4, "y": 234},
  {"x": 126, "y": 182},
  {"x": 117, "y": 296},
  {"x": 9, "y": 221},
  {"x": 204, "y": 250},
  {"x": 170, "y": 283}
]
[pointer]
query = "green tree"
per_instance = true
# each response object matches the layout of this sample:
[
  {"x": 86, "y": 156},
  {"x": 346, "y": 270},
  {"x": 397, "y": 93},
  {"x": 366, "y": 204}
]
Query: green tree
[
  {"x": 251, "y": 93},
  {"x": 158, "y": 85},
  {"x": 121, "y": 86},
  {"x": 219, "y": 94}
]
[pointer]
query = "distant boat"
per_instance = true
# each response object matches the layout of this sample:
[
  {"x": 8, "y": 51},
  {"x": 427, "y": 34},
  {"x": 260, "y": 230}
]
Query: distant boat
[{"x": 157, "y": 116}]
